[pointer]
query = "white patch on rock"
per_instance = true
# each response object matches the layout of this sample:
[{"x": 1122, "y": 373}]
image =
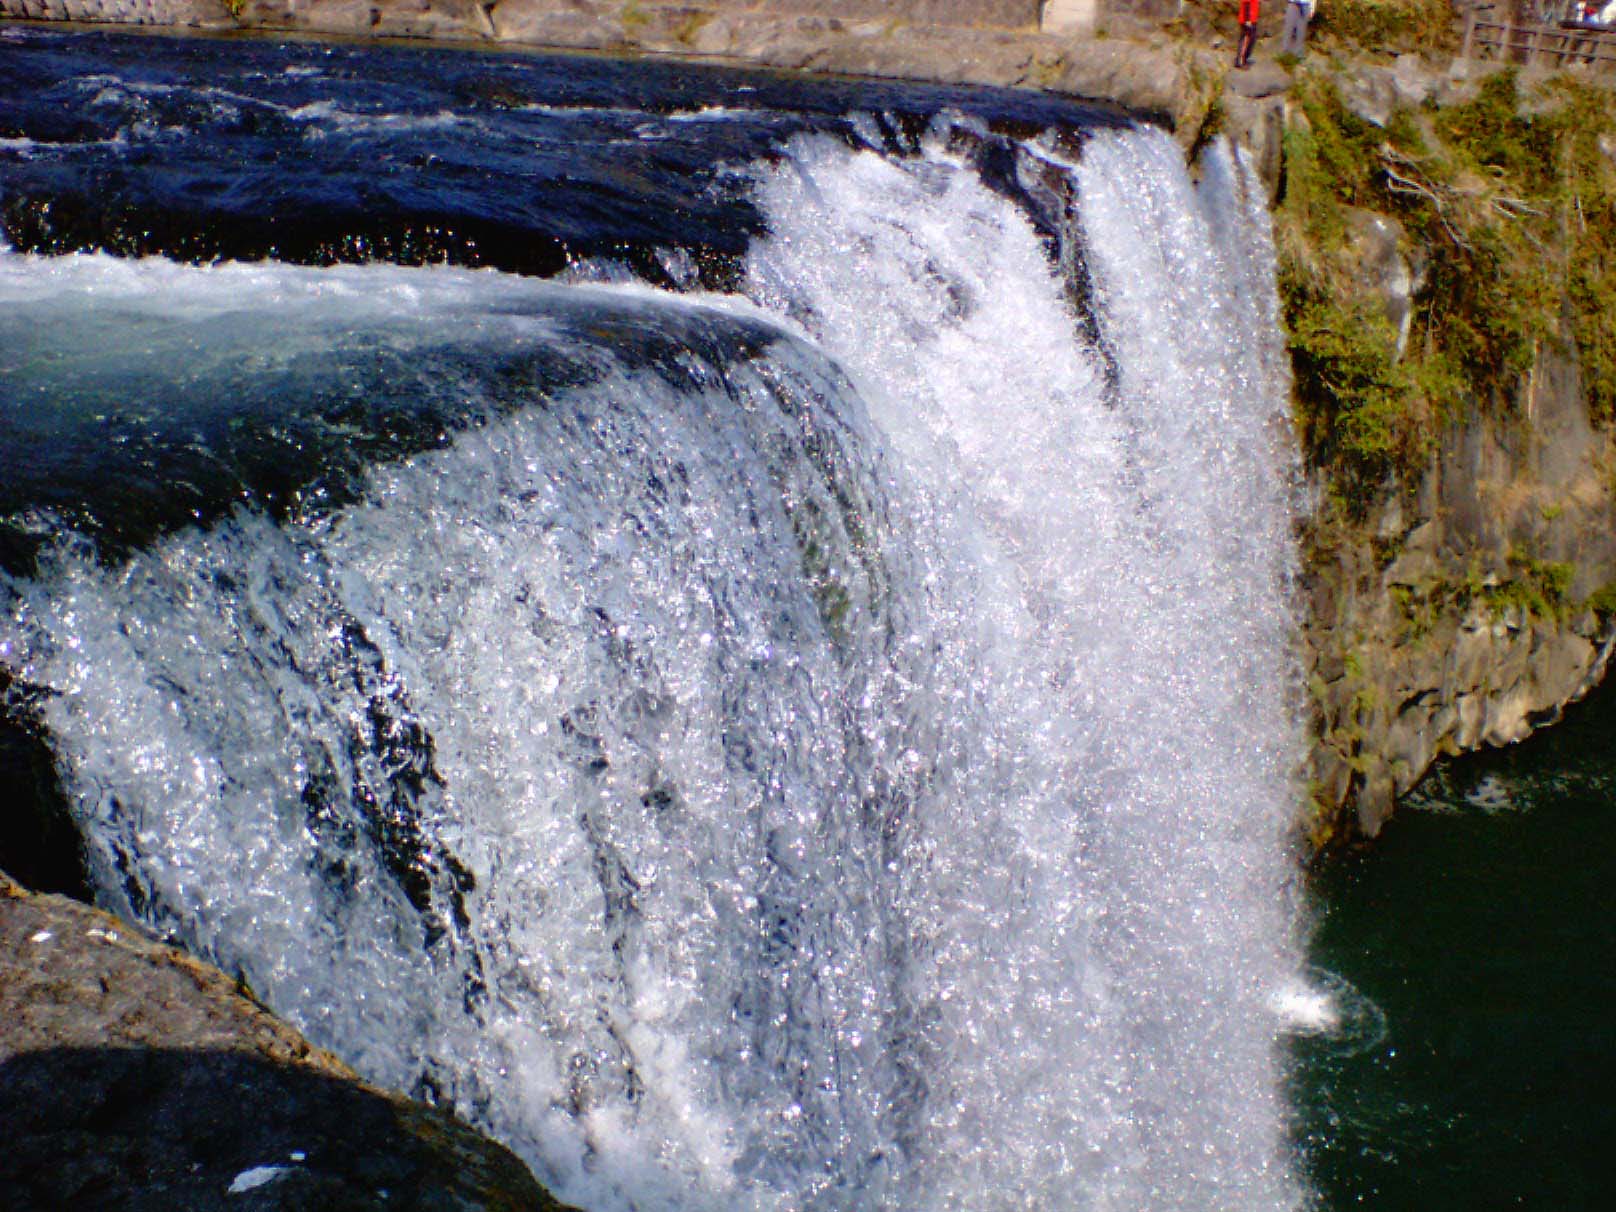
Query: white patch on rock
[{"x": 258, "y": 1176}]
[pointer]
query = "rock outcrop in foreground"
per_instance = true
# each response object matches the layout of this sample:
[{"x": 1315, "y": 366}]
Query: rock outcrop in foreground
[{"x": 135, "y": 1077}]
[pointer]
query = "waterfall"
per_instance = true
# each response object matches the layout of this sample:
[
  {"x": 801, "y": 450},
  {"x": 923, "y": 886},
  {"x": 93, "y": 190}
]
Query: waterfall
[{"x": 826, "y": 745}]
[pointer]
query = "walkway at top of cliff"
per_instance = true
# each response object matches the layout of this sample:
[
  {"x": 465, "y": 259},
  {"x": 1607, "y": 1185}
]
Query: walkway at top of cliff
[{"x": 1057, "y": 45}]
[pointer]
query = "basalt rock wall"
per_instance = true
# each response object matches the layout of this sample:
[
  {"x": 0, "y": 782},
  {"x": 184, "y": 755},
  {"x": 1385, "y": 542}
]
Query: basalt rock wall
[
  {"x": 1458, "y": 616},
  {"x": 1472, "y": 599}
]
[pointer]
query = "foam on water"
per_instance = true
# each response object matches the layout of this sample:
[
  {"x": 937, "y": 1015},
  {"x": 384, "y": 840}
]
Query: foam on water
[
  {"x": 1306, "y": 1009},
  {"x": 843, "y": 764},
  {"x": 1142, "y": 537},
  {"x": 1329, "y": 1009}
]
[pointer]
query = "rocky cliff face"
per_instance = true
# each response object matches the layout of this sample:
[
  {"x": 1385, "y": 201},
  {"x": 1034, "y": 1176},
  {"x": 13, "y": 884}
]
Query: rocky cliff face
[
  {"x": 1465, "y": 597},
  {"x": 1457, "y": 616},
  {"x": 1472, "y": 600}
]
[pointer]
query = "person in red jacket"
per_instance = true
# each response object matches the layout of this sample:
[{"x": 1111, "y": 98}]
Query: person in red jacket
[{"x": 1248, "y": 32}]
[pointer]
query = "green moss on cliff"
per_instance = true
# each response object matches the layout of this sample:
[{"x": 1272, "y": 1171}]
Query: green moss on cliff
[
  {"x": 1538, "y": 588},
  {"x": 1510, "y": 201},
  {"x": 1603, "y": 601},
  {"x": 1356, "y": 401},
  {"x": 1541, "y": 588},
  {"x": 1586, "y": 214}
]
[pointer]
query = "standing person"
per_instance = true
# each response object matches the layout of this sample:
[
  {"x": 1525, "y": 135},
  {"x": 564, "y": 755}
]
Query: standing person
[
  {"x": 1297, "y": 15},
  {"x": 1248, "y": 33}
]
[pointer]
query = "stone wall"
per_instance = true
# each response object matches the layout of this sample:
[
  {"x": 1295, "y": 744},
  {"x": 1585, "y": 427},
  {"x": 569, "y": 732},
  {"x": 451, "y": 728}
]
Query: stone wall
[
  {"x": 1173, "y": 82},
  {"x": 997, "y": 14},
  {"x": 1042, "y": 43},
  {"x": 203, "y": 14},
  {"x": 474, "y": 18}
]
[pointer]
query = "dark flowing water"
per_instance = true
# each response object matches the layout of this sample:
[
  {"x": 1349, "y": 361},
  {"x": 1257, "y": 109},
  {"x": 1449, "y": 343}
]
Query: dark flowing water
[
  {"x": 315, "y": 154},
  {"x": 1481, "y": 928}
]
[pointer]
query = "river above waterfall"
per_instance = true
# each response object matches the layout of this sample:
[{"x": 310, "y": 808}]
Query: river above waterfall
[
  {"x": 735, "y": 630},
  {"x": 317, "y": 153}
]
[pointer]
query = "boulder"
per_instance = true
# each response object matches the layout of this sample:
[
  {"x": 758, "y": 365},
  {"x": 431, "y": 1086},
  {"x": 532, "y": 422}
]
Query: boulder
[{"x": 133, "y": 1076}]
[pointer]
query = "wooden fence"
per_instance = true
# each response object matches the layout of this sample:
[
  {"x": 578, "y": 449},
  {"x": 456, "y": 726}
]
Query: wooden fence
[{"x": 1536, "y": 35}]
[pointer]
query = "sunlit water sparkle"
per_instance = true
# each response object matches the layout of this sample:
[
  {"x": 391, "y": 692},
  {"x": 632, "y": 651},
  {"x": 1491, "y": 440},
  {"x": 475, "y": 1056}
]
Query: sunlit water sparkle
[{"x": 830, "y": 745}]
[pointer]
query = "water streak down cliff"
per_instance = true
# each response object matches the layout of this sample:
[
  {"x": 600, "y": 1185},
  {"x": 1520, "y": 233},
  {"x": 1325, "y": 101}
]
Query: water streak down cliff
[{"x": 828, "y": 743}]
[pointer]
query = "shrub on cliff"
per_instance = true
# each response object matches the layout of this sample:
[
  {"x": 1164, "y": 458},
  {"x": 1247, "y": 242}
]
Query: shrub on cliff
[
  {"x": 1509, "y": 201},
  {"x": 1388, "y": 25},
  {"x": 1358, "y": 403}
]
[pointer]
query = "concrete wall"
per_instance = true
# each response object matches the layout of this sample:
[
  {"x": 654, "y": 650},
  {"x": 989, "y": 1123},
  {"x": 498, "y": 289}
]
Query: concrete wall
[{"x": 1070, "y": 16}]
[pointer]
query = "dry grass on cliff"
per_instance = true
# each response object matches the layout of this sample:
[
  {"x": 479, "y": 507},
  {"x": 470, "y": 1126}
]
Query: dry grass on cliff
[
  {"x": 1361, "y": 26},
  {"x": 1509, "y": 200},
  {"x": 1387, "y": 26}
]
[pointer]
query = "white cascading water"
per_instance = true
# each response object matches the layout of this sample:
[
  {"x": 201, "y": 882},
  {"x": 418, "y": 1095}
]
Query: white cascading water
[{"x": 851, "y": 772}]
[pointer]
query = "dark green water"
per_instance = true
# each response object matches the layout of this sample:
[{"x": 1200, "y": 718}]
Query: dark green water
[{"x": 1477, "y": 1064}]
